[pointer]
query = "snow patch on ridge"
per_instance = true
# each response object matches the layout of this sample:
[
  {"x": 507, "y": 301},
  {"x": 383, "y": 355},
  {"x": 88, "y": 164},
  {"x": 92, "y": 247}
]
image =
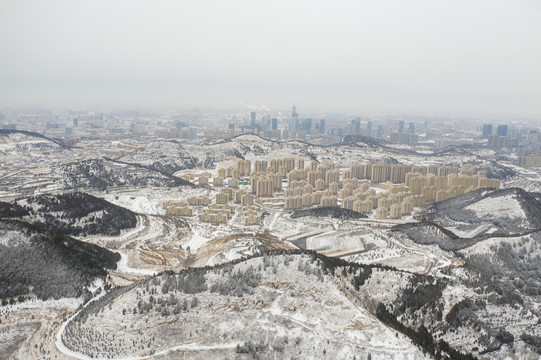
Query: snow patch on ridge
[{"x": 506, "y": 205}]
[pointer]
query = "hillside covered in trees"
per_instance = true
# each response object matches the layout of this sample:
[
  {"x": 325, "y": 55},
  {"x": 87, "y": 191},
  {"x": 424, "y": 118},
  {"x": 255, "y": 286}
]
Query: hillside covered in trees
[
  {"x": 74, "y": 213},
  {"x": 47, "y": 264}
]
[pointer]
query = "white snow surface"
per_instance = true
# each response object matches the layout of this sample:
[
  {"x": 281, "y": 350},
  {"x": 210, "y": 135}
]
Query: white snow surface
[
  {"x": 136, "y": 203},
  {"x": 505, "y": 205},
  {"x": 196, "y": 241},
  {"x": 470, "y": 232}
]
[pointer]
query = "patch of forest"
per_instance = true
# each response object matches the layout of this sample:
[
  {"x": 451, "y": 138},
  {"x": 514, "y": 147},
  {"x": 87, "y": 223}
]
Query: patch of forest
[
  {"x": 8, "y": 210},
  {"x": 78, "y": 213},
  {"x": 48, "y": 264},
  {"x": 103, "y": 173},
  {"x": 502, "y": 278},
  {"x": 328, "y": 211}
]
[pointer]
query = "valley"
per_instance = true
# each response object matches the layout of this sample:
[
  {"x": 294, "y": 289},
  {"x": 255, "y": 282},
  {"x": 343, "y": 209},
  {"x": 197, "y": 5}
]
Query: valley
[{"x": 457, "y": 277}]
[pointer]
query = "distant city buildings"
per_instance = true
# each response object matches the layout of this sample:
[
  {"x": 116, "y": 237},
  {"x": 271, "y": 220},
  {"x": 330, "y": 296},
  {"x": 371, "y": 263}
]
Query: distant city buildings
[
  {"x": 404, "y": 138},
  {"x": 70, "y": 126},
  {"x": 487, "y": 131},
  {"x": 274, "y": 125},
  {"x": 529, "y": 161},
  {"x": 500, "y": 142},
  {"x": 306, "y": 125},
  {"x": 446, "y": 142},
  {"x": 501, "y": 130},
  {"x": 252, "y": 121}
]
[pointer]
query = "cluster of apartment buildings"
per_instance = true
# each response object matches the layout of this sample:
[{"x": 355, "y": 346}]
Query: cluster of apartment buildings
[
  {"x": 403, "y": 187},
  {"x": 317, "y": 185},
  {"x": 176, "y": 208},
  {"x": 529, "y": 160},
  {"x": 395, "y": 173},
  {"x": 407, "y": 186},
  {"x": 439, "y": 188},
  {"x": 219, "y": 212},
  {"x": 501, "y": 142},
  {"x": 249, "y": 215}
]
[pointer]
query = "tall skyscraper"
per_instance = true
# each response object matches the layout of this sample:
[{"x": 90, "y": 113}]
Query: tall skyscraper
[
  {"x": 274, "y": 124},
  {"x": 411, "y": 128},
  {"x": 358, "y": 126},
  {"x": 294, "y": 112},
  {"x": 501, "y": 130},
  {"x": 401, "y": 126},
  {"x": 252, "y": 121},
  {"x": 322, "y": 126},
  {"x": 306, "y": 125},
  {"x": 487, "y": 131},
  {"x": 294, "y": 122}
]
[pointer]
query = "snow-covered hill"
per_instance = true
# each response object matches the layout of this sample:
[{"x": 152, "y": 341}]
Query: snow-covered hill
[
  {"x": 511, "y": 210},
  {"x": 170, "y": 156},
  {"x": 47, "y": 264},
  {"x": 77, "y": 213},
  {"x": 103, "y": 173},
  {"x": 23, "y": 144},
  {"x": 274, "y": 306}
]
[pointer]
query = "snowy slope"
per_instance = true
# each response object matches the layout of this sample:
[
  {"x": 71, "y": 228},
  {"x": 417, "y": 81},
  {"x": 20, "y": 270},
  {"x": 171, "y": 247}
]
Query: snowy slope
[
  {"x": 506, "y": 205},
  {"x": 278, "y": 306}
]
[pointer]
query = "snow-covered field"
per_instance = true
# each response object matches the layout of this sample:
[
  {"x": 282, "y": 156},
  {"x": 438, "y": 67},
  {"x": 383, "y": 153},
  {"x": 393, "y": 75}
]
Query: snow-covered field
[{"x": 139, "y": 203}]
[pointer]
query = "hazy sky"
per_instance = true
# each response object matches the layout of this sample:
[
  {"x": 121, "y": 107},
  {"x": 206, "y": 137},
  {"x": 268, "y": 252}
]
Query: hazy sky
[{"x": 429, "y": 56}]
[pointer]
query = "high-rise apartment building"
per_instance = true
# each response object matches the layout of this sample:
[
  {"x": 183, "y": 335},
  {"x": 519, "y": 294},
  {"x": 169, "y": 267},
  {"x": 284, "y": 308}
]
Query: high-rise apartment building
[
  {"x": 501, "y": 130},
  {"x": 306, "y": 125},
  {"x": 252, "y": 121},
  {"x": 487, "y": 131},
  {"x": 322, "y": 126}
]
